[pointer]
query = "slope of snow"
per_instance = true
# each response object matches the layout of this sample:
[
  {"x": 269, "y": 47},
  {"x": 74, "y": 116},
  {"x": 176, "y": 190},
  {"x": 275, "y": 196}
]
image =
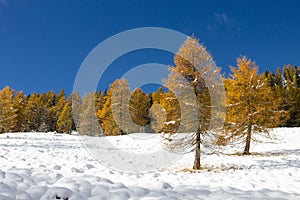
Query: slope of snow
[{"x": 58, "y": 166}]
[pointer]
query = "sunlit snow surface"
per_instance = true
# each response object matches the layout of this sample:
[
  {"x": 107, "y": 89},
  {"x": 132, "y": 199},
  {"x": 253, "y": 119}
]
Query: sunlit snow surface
[{"x": 57, "y": 166}]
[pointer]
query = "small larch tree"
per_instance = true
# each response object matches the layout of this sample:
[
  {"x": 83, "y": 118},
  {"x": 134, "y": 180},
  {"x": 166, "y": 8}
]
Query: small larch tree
[{"x": 252, "y": 106}]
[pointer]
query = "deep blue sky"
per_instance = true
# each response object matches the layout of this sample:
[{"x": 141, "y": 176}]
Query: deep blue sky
[{"x": 43, "y": 43}]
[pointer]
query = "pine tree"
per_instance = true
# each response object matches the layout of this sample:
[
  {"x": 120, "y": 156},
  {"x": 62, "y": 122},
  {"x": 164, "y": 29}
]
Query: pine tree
[
  {"x": 292, "y": 88},
  {"x": 64, "y": 123},
  {"x": 252, "y": 106},
  {"x": 8, "y": 114}
]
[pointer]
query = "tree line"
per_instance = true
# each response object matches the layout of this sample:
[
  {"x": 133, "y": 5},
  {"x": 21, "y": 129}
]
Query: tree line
[{"x": 254, "y": 102}]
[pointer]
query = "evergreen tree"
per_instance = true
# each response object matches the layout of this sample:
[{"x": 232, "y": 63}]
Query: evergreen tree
[
  {"x": 8, "y": 114},
  {"x": 292, "y": 87},
  {"x": 252, "y": 106}
]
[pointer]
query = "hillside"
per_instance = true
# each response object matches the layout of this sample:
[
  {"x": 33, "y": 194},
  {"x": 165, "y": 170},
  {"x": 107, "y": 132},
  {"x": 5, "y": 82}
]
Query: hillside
[{"x": 58, "y": 166}]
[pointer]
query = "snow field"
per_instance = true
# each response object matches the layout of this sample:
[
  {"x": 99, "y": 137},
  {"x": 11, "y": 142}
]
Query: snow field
[{"x": 57, "y": 166}]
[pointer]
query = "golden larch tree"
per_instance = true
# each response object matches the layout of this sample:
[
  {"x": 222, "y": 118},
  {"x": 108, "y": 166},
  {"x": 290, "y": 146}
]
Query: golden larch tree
[{"x": 252, "y": 106}]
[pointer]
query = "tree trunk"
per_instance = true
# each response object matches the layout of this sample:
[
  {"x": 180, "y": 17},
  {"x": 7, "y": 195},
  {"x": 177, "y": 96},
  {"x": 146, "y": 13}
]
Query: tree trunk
[
  {"x": 248, "y": 140},
  {"x": 197, "y": 164}
]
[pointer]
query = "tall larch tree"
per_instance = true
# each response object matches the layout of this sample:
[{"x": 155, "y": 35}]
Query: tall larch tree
[
  {"x": 191, "y": 80},
  {"x": 252, "y": 106}
]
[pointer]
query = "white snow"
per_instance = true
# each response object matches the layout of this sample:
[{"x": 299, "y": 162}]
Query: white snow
[
  {"x": 170, "y": 122},
  {"x": 57, "y": 166}
]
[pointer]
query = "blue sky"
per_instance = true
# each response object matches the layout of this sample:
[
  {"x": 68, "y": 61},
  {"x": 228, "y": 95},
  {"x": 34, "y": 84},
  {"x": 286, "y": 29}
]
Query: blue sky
[{"x": 43, "y": 43}]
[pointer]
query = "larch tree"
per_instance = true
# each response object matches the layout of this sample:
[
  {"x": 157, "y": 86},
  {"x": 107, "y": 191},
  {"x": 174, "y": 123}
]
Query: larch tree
[
  {"x": 158, "y": 115},
  {"x": 120, "y": 107},
  {"x": 20, "y": 106},
  {"x": 193, "y": 80},
  {"x": 252, "y": 106},
  {"x": 76, "y": 102},
  {"x": 173, "y": 113},
  {"x": 8, "y": 114},
  {"x": 64, "y": 122},
  {"x": 105, "y": 115},
  {"x": 139, "y": 107},
  {"x": 59, "y": 102},
  {"x": 88, "y": 122}
]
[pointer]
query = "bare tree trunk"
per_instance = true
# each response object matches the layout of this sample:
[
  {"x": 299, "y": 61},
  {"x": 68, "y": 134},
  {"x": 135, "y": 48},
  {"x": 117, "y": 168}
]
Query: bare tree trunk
[
  {"x": 248, "y": 140},
  {"x": 197, "y": 164}
]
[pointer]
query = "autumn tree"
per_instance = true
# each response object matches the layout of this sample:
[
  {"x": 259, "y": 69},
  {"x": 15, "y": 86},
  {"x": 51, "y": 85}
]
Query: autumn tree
[
  {"x": 20, "y": 106},
  {"x": 193, "y": 79},
  {"x": 115, "y": 116},
  {"x": 64, "y": 122},
  {"x": 252, "y": 106},
  {"x": 58, "y": 102},
  {"x": 172, "y": 110},
  {"x": 8, "y": 114},
  {"x": 157, "y": 113},
  {"x": 76, "y": 102},
  {"x": 139, "y": 107},
  {"x": 88, "y": 122}
]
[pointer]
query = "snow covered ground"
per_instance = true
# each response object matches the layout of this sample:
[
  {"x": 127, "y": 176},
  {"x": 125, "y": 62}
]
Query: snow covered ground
[{"x": 58, "y": 166}]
